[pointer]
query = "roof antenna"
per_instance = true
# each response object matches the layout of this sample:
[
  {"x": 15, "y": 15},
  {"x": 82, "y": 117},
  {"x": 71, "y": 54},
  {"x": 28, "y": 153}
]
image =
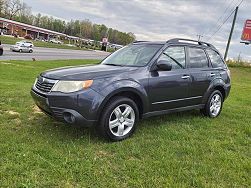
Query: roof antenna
[{"x": 199, "y": 37}]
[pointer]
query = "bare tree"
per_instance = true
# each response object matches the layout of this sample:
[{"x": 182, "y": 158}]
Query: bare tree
[
  {"x": 2, "y": 7},
  {"x": 13, "y": 7}
]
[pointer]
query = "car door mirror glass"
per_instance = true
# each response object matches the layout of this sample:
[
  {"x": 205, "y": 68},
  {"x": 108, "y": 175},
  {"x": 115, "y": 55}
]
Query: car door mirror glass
[{"x": 164, "y": 65}]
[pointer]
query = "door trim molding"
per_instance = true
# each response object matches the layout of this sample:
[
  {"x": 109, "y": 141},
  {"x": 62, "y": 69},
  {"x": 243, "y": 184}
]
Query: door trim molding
[
  {"x": 156, "y": 113},
  {"x": 189, "y": 98}
]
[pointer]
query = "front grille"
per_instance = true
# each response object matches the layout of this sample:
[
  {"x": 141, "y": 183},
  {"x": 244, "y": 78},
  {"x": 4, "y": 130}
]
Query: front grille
[{"x": 45, "y": 85}]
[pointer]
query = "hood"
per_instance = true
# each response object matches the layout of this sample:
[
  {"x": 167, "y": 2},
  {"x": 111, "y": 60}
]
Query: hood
[{"x": 85, "y": 72}]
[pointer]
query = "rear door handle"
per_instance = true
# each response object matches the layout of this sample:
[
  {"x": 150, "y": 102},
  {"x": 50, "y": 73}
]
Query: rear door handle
[
  {"x": 185, "y": 77},
  {"x": 212, "y": 74}
]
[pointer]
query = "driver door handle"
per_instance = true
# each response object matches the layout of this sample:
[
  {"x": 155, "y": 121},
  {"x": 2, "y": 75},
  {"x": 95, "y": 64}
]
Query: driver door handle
[
  {"x": 212, "y": 74},
  {"x": 185, "y": 77}
]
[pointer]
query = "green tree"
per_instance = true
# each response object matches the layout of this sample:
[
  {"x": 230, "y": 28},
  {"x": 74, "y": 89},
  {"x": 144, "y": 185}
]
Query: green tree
[{"x": 16, "y": 10}]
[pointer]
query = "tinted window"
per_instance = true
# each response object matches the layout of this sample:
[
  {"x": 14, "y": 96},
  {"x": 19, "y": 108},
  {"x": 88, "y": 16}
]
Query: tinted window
[
  {"x": 198, "y": 58},
  {"x": 175, "y": 56},
  {"x": 215, "y": 59}
]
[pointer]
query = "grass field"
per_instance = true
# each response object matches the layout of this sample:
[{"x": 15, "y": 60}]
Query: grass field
[
  {"x": 177, "y": 150},
  {"x": 12, "y": 41}
]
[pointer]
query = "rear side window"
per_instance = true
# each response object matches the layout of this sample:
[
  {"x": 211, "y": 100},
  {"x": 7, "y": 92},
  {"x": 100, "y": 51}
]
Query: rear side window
[
  {"x": 197, "y": 58},
  {"x": 215, "y": 59},
  {"x": 175, "y": 56}
]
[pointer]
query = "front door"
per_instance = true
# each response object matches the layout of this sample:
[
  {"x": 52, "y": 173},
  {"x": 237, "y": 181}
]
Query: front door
[{"x": 169, "y": 89}]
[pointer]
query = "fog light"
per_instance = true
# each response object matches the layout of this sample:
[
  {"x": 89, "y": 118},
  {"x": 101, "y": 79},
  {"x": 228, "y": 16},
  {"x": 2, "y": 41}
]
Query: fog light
[{"x": 69, "y": 118}]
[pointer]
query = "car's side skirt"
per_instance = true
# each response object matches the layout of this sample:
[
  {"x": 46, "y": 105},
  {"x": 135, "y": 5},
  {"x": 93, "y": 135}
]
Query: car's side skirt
[{"x": 156, "y": 113}]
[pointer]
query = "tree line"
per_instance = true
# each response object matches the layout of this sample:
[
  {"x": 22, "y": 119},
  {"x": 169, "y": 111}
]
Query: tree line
[{"x": 21, "y": 12}]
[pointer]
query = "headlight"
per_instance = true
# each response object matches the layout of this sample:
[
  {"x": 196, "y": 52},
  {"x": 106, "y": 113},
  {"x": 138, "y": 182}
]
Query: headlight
[
  {"x": 71, "y": 86},
  {"x": 35, "y": 82}
]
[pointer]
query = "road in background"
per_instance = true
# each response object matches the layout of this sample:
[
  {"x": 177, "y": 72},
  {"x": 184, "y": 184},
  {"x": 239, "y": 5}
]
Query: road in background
[{"x": 52, "y": 54}]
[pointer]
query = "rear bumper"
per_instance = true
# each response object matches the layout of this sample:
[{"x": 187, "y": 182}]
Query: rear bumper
[{"x": 74, "y": 109}]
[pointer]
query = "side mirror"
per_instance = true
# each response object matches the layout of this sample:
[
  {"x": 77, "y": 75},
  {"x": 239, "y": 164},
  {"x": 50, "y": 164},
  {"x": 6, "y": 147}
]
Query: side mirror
[{"x": 164, "y": 65}]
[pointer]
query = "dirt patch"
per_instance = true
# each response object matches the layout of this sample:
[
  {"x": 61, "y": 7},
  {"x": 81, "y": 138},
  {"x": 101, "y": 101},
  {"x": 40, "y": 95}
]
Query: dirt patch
[
  {"x": 36, "y": 110},
  {"x": 17, "y": 121},
  {"x": 12, "y": 113},
  {"x": 16, "y": 124}
]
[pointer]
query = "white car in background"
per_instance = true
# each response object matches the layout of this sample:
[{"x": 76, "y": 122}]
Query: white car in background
[
  {"x": 56, "y": 41},
  {"x": 21, "y": 48},
  {"x": 25, "y": 43}
]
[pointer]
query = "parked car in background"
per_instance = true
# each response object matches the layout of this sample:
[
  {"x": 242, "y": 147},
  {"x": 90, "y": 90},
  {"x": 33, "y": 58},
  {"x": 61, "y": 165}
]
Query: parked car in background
[
  {"x": 21, "y": 48},
  {"x": 25, "y": 43},
  {"x": 115, "y": 46},
  {"x": 41, "y": 39},
  {"x": 140, "y": 80},
  {"x": 55, "y": 41},
  {"x": 29, "y": 37},
  {"x": 1, "y": 48}
]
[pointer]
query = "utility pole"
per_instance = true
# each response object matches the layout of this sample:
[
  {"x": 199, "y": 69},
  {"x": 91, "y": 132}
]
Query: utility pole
[
  {"x": 239, "y": 58},
  {"x": 231, "y": 32},
  {"x": 199, "y": 36}
]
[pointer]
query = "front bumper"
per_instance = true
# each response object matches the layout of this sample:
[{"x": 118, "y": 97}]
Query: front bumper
[
  {"x": 227, "y": 88},
  {"x": 78, "y": 108}
]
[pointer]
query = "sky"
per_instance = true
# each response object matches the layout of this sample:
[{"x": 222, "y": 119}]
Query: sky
[{"x": 159, "y": 19}]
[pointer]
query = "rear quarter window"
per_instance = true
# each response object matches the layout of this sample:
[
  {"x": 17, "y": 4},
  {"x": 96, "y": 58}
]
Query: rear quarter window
[
  {"x": 215, "y": 59},
  {"x": 197, "y": 58}
]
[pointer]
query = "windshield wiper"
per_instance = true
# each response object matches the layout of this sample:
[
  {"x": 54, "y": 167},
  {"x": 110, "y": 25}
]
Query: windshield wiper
[
  {"x": 174, "y": 60},
  {"x": 114, "y": 64}
]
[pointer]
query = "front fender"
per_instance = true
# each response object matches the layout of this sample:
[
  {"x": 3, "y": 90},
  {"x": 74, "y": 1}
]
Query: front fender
[{"x": 116, "y": 87}]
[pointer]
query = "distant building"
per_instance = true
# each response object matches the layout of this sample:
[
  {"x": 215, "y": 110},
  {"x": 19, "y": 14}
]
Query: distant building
[{"x": 11, "y": 27}]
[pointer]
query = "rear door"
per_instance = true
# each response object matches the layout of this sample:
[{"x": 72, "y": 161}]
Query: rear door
[
  {"x": 200, "y": 73},
  {"x": 219, "y": 68},
  {"x": 169, "y": 89}
]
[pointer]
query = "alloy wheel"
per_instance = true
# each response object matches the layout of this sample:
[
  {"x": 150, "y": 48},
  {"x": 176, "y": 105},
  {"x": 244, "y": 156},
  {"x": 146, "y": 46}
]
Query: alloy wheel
[
  {"x": 121, "y": 120},
  {"x": 215, "y": 105}
]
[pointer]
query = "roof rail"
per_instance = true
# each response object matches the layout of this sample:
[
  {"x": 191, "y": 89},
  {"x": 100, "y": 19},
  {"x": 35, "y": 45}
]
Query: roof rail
[
  {"x": 140, "y": 41},
  {"x": 181, "y": 40}
]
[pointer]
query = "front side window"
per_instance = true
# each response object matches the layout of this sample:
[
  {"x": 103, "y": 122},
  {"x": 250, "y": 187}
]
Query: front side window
[
  {"x": 215, "y": 59},
  {"x": 135, "y": 55},
  {"x": 197, "y": 58},
  {"x": 175, "y": 56}
]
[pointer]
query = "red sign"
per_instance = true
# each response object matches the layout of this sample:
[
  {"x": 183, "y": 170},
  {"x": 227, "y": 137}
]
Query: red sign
[{"x": 246, "y": 34}]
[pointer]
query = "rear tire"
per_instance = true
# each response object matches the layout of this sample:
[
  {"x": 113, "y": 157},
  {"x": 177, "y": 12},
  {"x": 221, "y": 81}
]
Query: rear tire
[
  {"x": 214, "y": 105},
  {"x": 20, "y": 51},
  {"x": 118, "y": 119},
  {"x": 1, "y": 52}
]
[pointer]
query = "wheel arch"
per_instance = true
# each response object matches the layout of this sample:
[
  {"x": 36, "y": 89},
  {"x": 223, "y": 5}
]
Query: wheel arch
[
  {"x": 217, "y": 84},
  {"x": 222, "y": 90},
  {"x": 132, "y": 93}
]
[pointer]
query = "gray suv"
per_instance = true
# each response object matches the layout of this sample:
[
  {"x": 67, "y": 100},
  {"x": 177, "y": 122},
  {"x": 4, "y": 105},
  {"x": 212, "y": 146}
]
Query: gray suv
[{"x": 140, "y": 80}]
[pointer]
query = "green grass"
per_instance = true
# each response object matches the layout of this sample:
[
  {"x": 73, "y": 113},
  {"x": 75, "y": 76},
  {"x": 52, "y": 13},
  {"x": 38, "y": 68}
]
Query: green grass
[
  {"x": 176, "y": 150},
  {"x": 12, "y": 41}
]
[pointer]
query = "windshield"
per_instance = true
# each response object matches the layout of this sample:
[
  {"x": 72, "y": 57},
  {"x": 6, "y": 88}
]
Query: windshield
[{"x": 133, "y": 55}]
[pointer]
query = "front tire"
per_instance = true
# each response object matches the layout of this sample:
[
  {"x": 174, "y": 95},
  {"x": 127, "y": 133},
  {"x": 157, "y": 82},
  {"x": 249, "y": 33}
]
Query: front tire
[
  {"x": 214, "y": 105},
  {"x": 118, "y": 120}
]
